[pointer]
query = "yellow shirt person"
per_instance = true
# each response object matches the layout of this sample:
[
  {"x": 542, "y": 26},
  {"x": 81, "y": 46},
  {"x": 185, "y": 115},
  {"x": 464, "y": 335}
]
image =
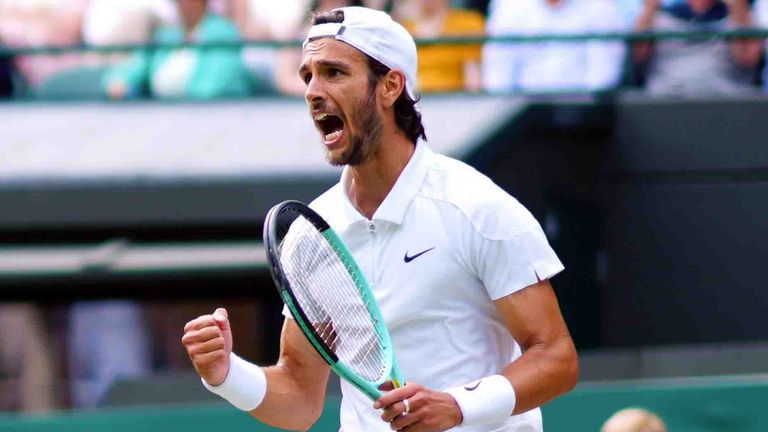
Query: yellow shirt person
[{"x": 447, "y": 68}]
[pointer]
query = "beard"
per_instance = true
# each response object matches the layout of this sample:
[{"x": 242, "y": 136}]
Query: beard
[{"x": 364, "y": 145}]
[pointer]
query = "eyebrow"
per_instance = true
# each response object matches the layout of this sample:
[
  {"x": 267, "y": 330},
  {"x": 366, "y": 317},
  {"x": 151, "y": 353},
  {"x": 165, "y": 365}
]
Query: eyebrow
[{"x": 325, "y": 63}]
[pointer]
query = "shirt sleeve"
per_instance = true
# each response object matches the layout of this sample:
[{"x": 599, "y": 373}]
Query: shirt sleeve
[{"x": 513, "y": 253}]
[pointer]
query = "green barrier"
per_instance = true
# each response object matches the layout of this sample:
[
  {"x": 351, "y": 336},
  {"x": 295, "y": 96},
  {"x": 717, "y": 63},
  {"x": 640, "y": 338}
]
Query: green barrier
[
  {"x": 463, "y": 40},
  {"x": 704, "y": 405},
  {"x": 186, "y": 418},
  {"x": 719, "y": 405}
]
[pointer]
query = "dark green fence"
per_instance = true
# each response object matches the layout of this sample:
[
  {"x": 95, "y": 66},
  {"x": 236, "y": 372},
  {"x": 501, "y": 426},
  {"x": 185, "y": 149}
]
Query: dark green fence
[
  {"x": 727, "y": 405},
  {"x": 216, "y": 417},
  {"x": 77, "y": 83},
  {"x": 701, "y": 405}
]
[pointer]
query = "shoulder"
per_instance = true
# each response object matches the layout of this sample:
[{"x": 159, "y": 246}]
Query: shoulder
[
  {"x": 492, "y": 212},
  {"x": 329, "y": 203}
]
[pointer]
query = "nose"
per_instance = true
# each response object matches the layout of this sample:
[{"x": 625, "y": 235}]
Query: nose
[{"x": 314, "y": 92}]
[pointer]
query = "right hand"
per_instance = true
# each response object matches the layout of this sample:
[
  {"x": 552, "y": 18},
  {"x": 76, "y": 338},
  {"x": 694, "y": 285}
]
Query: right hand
[{"x": 208, "y": 341}]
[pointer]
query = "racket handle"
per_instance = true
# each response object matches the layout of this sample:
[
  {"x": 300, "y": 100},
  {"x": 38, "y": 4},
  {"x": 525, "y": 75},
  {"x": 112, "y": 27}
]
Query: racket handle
[{"x": 397, "y": 375}]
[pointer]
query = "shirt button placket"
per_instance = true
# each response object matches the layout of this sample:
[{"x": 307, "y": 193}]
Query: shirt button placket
[{"x": 372, "y": 231}]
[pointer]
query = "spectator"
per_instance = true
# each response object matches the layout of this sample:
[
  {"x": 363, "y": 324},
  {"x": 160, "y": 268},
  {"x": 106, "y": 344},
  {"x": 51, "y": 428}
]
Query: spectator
[
  {"x": 634, "y": 420},
  {"x": 444, "y": 68},
  {"x": 185, "y": 72},
  {"x": 260, "y": 20},
  {"x": 27, "y": 375},
  {"x": 38, "y": 23},
  {"x": 761, "y": 17},
  {"x": 108, "y": 341},
  {"x": 552, "y": 66},
  {"x": 120, "y": 22},
  {"x": 690, "y": 67},
  {"x": 286, "y": 71},
  {"x": 105, "y": 22}
]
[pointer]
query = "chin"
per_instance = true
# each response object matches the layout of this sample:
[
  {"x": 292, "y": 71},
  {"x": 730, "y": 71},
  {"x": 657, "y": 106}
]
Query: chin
[{"x": 335, "y": 158}]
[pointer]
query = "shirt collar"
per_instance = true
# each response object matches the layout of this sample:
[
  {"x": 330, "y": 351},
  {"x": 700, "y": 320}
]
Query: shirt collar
[{"x": 405, "y": 189}]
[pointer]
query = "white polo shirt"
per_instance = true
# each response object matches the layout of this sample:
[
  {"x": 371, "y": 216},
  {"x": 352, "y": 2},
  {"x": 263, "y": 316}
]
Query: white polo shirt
[{"x": 442, "y": 246}]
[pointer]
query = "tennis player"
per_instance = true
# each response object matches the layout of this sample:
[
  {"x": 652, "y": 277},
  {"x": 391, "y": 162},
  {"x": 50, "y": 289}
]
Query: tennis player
[{"x": 460, "y": 269}]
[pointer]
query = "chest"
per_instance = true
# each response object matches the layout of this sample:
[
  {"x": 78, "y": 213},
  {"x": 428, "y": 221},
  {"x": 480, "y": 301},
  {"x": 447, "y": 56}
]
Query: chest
[{"x": 417, "y": 270}]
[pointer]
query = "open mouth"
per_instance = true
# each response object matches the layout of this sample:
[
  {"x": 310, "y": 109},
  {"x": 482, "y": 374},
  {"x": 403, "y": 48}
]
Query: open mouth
[{"x": 332, "y": 127}]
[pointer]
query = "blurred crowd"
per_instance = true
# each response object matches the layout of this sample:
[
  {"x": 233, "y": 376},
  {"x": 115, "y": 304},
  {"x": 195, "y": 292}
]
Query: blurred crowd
[
  {"x": 664, "y": 66},
  {"x": 109, "y": 340}
]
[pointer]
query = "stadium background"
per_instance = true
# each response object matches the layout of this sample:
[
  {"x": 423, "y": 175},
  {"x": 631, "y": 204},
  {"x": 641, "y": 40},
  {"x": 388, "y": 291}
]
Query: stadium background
[{"x": 656, "y": 205}]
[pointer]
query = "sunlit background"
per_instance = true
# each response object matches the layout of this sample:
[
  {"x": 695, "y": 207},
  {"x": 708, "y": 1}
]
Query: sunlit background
[{"x": 143, "y": 141}]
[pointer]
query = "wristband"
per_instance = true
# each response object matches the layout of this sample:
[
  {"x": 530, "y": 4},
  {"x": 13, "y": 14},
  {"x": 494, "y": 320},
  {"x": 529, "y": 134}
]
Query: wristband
[
  {"x": 245, "y": 384},
  {"x": 487, "y": 400}
]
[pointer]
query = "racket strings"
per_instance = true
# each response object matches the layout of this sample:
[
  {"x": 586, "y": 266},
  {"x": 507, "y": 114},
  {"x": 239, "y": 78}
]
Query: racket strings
[{"x": 329, "y": 297}]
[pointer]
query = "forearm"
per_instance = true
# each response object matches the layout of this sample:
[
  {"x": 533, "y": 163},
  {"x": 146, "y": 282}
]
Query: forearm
[
  {"x": 543, "y": 372},
  {"x": 289, "y": 395},
  {"x": 288, "y": 403},
  {"x": 641, "y": 51}
]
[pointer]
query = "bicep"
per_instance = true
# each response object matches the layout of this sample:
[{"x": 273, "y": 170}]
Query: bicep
[
  {"x": 533, "y": 315},
  {"x": 301, "y": 360}
]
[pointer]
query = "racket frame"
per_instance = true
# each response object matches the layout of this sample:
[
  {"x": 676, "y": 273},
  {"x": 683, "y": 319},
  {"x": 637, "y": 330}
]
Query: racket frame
[{"x": 393, "y": 373}]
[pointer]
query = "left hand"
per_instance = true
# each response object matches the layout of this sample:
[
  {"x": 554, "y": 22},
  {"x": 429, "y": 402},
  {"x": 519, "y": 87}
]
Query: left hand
[{"x": 429, "y": 410}]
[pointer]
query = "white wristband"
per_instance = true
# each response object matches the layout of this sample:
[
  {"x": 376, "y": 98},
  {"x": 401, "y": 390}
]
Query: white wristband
[
  {"x": 244, "y": 386},
  {"x": 487, "y": 400}
]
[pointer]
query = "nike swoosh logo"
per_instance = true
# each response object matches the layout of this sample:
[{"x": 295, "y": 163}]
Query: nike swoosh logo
[
  {"x": 468, "y": 388},
  {"x": 408, "y": 259}
]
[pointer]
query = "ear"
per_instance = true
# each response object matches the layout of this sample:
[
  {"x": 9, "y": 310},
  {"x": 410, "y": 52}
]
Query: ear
[{"x": 391, "y": 86}]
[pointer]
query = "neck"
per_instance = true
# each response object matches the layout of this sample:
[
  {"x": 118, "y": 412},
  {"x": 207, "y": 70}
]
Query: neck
[{"x": 372, "y": 180}]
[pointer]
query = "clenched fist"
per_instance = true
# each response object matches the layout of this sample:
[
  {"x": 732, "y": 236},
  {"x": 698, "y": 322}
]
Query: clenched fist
[{"x": 208, "y": 341}]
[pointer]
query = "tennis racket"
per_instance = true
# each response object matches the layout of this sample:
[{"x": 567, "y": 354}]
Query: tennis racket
[{"x": 329, "y": 297}]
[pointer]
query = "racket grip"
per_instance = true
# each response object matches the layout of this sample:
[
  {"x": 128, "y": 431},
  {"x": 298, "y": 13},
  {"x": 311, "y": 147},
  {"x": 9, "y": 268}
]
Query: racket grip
[{"x": 397, "y": 375}]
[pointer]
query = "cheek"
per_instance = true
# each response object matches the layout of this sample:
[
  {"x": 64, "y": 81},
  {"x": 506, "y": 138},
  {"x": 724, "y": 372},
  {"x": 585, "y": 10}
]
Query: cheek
[{"x": 358, "y": 108}]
